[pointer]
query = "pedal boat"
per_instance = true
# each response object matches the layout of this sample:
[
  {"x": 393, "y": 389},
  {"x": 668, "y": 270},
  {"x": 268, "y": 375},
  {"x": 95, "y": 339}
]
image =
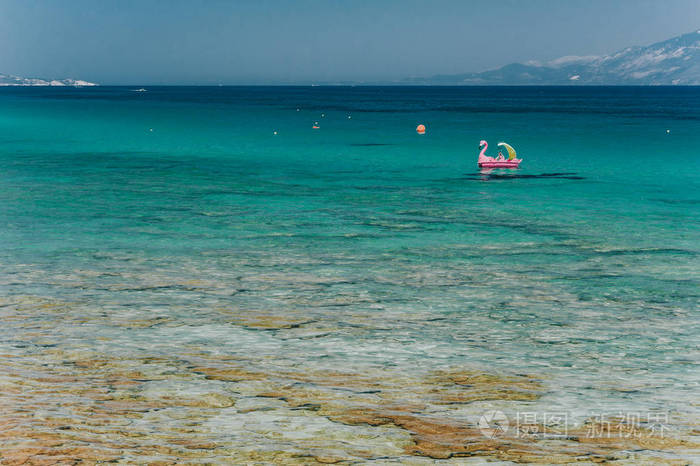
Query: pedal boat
[{"x": 490, "y": 162}]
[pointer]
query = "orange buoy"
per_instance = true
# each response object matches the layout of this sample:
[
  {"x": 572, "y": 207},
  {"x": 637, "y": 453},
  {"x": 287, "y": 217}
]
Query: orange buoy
[{"x": 420, "y": 129}]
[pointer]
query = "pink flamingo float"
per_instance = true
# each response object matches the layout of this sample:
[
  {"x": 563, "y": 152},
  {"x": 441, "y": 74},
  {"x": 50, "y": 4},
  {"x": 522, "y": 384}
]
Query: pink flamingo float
[{"x": 499, "y": 162}]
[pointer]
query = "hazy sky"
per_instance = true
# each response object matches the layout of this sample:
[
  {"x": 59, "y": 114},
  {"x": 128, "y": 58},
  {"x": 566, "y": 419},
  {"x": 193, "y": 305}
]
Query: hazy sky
[{"x": 268, "y": 41}]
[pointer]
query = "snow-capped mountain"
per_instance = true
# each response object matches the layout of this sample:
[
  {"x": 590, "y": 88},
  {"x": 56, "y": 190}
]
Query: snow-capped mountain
[
  {"x": 673, "y": 61},
  {"x": 9, "y": 80}
]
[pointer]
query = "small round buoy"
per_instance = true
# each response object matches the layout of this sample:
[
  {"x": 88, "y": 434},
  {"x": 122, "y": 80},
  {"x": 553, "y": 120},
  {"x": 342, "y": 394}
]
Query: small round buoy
[
  {"x": 151, "y": 130},
  {"x": 275, "y": 133},
  {"x": 323, "y": 115},
  {"x": 349, "y": 117},
  {"x": 668, "y": 131},
  {"x": 297, "y": 109},
  {"x": 420, "y": 129}
]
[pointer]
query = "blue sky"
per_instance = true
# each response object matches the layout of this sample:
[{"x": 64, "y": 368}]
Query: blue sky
[{"x": 268, "y": 41}]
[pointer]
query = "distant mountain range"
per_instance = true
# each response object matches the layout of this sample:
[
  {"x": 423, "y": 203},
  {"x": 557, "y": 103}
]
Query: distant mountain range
[
  {"x": 674, "y": 61},
  {"x": 9, "y": 80}
]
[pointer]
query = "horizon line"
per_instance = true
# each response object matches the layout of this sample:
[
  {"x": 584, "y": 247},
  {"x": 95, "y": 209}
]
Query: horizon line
[{"x": 94, "y": 85}]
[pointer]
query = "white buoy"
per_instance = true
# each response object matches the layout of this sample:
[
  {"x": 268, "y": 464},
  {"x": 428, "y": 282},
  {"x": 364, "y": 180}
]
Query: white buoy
[
  {"x": 323, "y": 115},
  {"x": 275, "y": 133},
  {"x": 151, "y": 130},
  {"x": 668, "y": 131},
  {"x": 349, "y": 117}
]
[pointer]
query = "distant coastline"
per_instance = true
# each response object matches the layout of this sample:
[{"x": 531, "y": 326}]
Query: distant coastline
[{"x": 17, "y": 81}]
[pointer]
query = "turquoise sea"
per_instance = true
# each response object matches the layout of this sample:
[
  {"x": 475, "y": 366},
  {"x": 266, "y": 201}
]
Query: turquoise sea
[{"x": 180, "y": 283}]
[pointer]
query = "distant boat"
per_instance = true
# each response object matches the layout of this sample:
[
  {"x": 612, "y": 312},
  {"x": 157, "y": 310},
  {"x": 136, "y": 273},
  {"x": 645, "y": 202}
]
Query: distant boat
[{"x": 139, "y": 90}]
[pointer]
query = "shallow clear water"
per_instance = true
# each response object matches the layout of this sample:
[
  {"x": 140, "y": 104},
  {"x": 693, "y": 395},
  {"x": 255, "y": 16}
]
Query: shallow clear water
[{"x": 174, "y": 224}]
